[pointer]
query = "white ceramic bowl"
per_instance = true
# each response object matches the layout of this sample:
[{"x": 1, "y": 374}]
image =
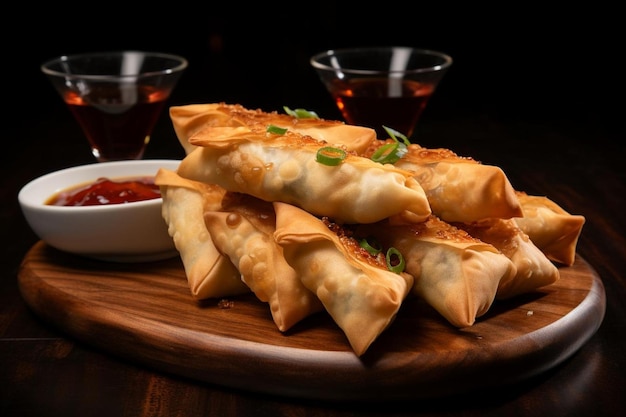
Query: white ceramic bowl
[{"x": 130, "y": 232}]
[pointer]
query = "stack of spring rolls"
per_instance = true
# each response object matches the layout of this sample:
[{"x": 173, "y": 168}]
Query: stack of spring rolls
[{"x": 251, "y": 208}]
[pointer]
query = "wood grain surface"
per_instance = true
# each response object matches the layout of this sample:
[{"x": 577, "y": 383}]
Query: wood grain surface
[{"x": 144, "y": 312}]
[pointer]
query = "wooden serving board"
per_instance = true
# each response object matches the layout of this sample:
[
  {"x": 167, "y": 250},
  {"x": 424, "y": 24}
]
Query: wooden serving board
[{"x": 145, "y": 312}]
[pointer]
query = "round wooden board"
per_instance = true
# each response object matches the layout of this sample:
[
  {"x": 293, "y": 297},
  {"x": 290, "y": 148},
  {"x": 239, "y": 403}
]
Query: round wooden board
[{"x": 145, "y": 312}]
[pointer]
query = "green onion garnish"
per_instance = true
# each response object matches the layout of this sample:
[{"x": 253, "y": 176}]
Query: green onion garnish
[
  {"x": 330, "y": 156},
  {"x": 390, "y": 153},
  {"x": 371, "y": 245},
  {"x": 394, "y": 134},
  {"x": 386, "y": 154},
  {"x": 395, "y": 260},
  {"x": 277, "y": 130},
  {"x": 301, "y": 113}
]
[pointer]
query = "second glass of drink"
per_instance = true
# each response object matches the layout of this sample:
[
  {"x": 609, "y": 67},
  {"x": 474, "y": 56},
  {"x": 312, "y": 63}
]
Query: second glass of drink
[
  {"x": 381, "y": 86},
  {"x": 116, "y": 97}
]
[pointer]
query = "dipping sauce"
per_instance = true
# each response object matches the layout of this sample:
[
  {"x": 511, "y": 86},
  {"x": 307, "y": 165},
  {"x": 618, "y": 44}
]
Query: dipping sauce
[{"x": 105, "y": 191}]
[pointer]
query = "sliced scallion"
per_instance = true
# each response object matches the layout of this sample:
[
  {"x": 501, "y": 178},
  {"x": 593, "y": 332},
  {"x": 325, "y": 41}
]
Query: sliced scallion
[
  {"x": 386, "y": 154},
  {"x": 330, "y": 156},
  {"x": 371, "y": 245},
  {"x": 301, "y": 113},
  {"x": 395, "y": 260},
  {"x": 394, "y": 134},
  {"x": 277, "y": 130}
]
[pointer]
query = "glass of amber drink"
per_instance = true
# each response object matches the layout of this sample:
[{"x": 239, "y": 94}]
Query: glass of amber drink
[
  {"x": 381, "y": 86},
  {"x": 116, "y": 97}
]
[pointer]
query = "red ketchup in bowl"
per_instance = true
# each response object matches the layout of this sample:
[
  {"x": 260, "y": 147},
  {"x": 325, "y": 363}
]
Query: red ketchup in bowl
[{"x": 105, "y": 191}]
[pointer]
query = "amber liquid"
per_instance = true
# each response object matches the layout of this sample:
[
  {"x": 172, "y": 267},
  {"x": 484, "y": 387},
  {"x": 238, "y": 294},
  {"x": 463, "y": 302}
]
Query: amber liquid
[
  {"x": 367, "y": 102},
  {"x": 117, "y": 124}
]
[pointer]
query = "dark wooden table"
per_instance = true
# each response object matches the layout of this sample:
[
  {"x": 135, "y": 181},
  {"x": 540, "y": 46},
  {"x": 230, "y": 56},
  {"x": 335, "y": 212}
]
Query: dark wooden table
[{"x": 558, "y": 149}]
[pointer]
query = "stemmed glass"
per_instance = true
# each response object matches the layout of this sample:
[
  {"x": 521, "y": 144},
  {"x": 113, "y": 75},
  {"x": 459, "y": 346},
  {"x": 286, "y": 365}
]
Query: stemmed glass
[
  {"x": 116, "y": 97},
  {"x": 381, "y": 86}
]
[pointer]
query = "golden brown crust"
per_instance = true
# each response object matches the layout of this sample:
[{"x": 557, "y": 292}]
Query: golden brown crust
[
  {"x": 285, "y": 168},
  {"x": 455, "y": 273},
  {"x": 352, "y": 245},
  {"x": 504, "y": 235},
  {"x": 208, "y": 272},
  {"x": 361, "y": 298},
  {"x": 550, "y": 227},
  {"x": 458, "y": 270},
  {"x": 436, "y": 228},
  {"x": 460, "y": 189},
  {"x": 190, "y": 119},
  {"x": 421, "y": 154},
  {"x": 243, "y": 231},
  {"x": 533, "y": 268},
  {"x": 241, "y": 116}
]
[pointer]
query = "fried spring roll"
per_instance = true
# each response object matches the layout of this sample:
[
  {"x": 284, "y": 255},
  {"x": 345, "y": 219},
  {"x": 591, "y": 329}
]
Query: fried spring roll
[
  {"x": 455, "y": 273},
  {"x": 190, "y": 119},
  {"x": 550, "y": 227},
  {"x": 362, "y": 296},
  {"x": 243, "y": 230},
  {"x": 460, "y": 189},
  {"x": 209, "y": 273},
  {"x": 284, "y": 168},
  {"x": 533, "y": 269}
]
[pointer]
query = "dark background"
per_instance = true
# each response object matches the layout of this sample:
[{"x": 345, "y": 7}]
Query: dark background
[
  {"x": 528, "y": 80},
  {"x": 539, "y": 65}
]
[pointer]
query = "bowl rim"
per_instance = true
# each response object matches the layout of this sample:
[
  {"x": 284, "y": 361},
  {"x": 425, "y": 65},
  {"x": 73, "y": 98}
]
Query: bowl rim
[{"x": 25, "y": 201}]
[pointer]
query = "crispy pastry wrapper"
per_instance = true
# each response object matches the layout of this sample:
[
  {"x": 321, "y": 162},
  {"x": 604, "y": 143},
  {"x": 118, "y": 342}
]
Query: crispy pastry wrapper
[
  {"x": 362, "y": 298},
  {"x": 533, "y": 269},
  {"x": 551, "y": 228},
  {"x": 455, "y": 273},
  {"x": 460, "y": 189},
  {"x": 243, "y": 230},
  {"x": 189, "y": 119},
  {"x": 284, "y": 168},
  {"x": 209, "y": 273}
]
